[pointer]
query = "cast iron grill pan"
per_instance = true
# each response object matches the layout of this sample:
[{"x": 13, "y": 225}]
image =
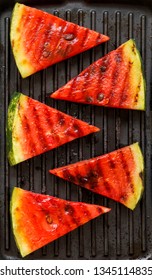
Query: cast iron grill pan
[{"x": 121, "y": 234}]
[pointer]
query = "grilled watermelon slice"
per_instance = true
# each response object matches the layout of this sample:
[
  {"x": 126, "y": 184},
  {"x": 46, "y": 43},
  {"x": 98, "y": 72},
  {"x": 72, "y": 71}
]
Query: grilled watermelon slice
[
  {"x": 39, "y": 219},
  {"x": 115, "y": 80},
  {"x": 116, "y": 175},
  {"x": 34, "y": 128},
  {"x": 39, "y": 39}
]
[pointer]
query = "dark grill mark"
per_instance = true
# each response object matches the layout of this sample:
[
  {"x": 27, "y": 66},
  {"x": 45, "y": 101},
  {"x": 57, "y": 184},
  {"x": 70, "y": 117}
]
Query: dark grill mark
[
  {"x": 85, "y": 38},
  {"x": 90, "y": 178},
  {"x": 141, "y": 175},
  {"x": 98, "y": 38},
  {"x": 124, "y": 94},
  {"x": 69, "y": 209},
  {"x": 93, "y": 178},
  {"x": 136, "y": 97},
  {"x": 130, "y": 64},
  {"x": 99, "y": 210},
  {"x": 61, "y": 119},
  {"x": 123, "y": 197},
  {"x": 36, "y": 119},
  {"x": 12, "y": 43},
  {"x": 68, "y": 176},
  {"x": 126, "y": 169},
  {"x": 27, "y": 132},
  {"x": 66, "y": 49},
  {"x": 86, "y": 212},
  {"x": 45, "y": 45},
  {"x": 124, "y": 97},
  {"x": 49, "y": 120},
  {"x": 134, "y": 48},
  {"x": 77, "y": 130},
  {"x": 105, "y": 62},
  {"x": 82, "y": 180},
  {"x": 26, "y": 125},
  {"x": 107, "y": 186},
  {"x": 116, "y": 73},
  {"x": 111, "y": 163},
  {"x": 103, "y": 68},
  {"x": 33, "y": 39},
  {"x": 137, "y": 93},
  {"x": 89, "y": 99},
  {"x": 118, "y": 57}
]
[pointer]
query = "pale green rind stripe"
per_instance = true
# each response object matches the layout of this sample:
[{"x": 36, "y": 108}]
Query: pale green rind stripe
[{"x": 12, "y": 111}]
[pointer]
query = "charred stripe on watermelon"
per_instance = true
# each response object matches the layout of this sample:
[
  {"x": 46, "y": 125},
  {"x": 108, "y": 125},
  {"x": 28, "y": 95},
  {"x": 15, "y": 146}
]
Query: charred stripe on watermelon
[
  {"x": 115, "y": 80},
  {"x": 116, "y": 175},
  {"x": 38, "y": 219},
  {"x": 34, "y": 128},
  {"x": 40, "y": 39}
]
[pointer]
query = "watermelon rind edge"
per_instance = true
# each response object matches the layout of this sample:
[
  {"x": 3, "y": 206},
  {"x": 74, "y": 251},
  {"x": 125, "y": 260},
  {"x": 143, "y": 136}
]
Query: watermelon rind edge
[
  {"x": 142, "y": 72},
  {"x": 143, "y": 75},
  {"x": 25, "y": 68},
  {"x": 11, "y": 215},
  {"x": 141, "y": 104},
  {"x": 12, "y": 112},
  {"x": 139, "y": 161},
  {"x": 22, "y": 246}
]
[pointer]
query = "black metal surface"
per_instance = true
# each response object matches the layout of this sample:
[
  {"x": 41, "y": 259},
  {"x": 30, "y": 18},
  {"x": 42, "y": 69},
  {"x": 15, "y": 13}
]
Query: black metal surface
[{"x": 121, "y": 234}]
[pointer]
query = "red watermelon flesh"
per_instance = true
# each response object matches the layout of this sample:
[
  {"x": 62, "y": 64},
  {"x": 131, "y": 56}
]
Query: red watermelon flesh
[
  {"x": 40, "y": 39},
  {"x": 116, "y": 175},
  {"x": 115, "y": 80},
  {"x": 34, "y": 128},
  {"x": 39, "y": 219}
]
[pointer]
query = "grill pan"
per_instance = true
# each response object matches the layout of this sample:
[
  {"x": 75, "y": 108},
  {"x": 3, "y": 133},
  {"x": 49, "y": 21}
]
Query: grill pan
[{"x": 121, "y": 234}]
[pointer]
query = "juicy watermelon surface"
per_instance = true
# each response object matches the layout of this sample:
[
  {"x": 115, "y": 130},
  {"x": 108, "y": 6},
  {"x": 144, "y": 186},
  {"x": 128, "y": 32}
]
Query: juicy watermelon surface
[
  {"x": 40, "y": 39},
  {"x": 115, "y": 80},
  {"x": 116, "y": 175},
  {"x": 39, "y": 219},
  {"x": 34, "y": 128}
]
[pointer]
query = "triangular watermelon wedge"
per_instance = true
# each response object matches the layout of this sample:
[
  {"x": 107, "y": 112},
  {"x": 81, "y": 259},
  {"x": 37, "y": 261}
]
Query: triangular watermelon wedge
[
  {"x": 116, "y": 175},
  {"x": 115, "y": 80},
  {"x": 34, "y": 128},
  {"x": 38, "y": 219},
  {"x": 39, "y": 39}
]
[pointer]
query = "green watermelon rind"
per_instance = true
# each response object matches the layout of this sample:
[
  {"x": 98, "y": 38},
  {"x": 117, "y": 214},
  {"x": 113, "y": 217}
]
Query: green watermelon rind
[
  {"x": 12, "y": 113},
  {"x": 23, "y": 65},
  {"x": 12, "y": 200},
  {"x": 144, "y": 79},
  {"x": 139, "y": 176},
  {"x": 142, "y": 74},
  {"x": 141, "y": 103}
]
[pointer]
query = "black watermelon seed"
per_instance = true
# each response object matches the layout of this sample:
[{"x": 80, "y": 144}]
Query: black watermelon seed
[
  {"x": 103, "y": 68},
  {"x": 89, "y": 99}
]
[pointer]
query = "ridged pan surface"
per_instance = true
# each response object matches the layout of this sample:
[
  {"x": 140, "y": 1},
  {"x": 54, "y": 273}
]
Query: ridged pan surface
[{"x": 122, "y": 234}]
